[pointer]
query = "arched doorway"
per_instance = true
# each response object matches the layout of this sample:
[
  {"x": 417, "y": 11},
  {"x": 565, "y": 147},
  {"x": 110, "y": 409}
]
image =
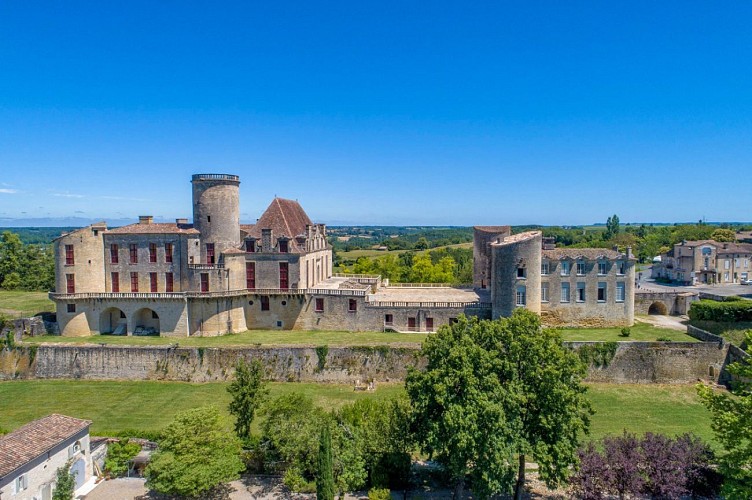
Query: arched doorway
[
  {"x": 78, "y": 469},
  {"x": 113, "y": 321},
  {"x": 658, "y": 308},
  {"x": 146, "y": 322}
]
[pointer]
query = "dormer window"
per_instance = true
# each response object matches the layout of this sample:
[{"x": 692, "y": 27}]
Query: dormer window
[
  {"x": 580, "y": 267},
  {"x": 283, "y": 246},
  {"x": 250, "y": 246}
]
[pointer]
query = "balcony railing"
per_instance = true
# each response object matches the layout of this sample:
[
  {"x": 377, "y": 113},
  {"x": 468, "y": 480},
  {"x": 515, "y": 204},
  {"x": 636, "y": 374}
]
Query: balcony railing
[
  {"x": 116, "y": 296},
  {"x": 431, "y": 305},
  {"x": 206, "y": 267}
]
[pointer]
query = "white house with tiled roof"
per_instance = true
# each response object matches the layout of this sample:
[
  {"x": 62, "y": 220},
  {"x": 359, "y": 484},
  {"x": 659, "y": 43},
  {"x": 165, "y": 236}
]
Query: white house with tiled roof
[
  {"x": 31, "y": 455},
  {"x": 216, "y": 276}
]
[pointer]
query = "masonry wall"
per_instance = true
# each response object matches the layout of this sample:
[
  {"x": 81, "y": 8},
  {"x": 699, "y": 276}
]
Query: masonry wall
[
  {"x": 522, "y": 251},
  {"x": 633, "y": 362},
  {"x": 88, "y": 260},
  {"x": 98, "y": 315}
]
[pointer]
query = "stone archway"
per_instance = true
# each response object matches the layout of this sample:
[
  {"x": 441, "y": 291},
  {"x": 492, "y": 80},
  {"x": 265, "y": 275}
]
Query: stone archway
[
  {"x": 658, "y": 308},
  {"x": 113, "y": 321},
  {"x": 145, "y": 322}
]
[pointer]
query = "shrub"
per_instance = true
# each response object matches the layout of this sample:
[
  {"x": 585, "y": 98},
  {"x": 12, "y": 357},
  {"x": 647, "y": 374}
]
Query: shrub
[
  {"x": 726, "y": 311},
  {"x": 625, "y": 332},
  {"x": 118, "y": 455},
  {"x": 379, "y": 494},
  {"x": 664, "y": 339}
]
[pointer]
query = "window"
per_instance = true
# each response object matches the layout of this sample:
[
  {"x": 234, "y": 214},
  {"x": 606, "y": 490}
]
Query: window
[
  {"x": 726, "y": 263},
  {"x": 208, "y": 218},
  {"x": 264, "y": 303},
  {"x": 544, "y": 267},
  {"x": 520, "y": 296},
  {"x": 284, "y": 282},
  {"x": 388, "y": 319},
  {"x": 74, "y": 448},
  {"x": 68, "y": 255},
  {"x": 152, "y": 252},
  {"x": 725, "y": 276},
  {"x": 580, "y": 292},
  {"x": 319, "y": 305},
  {"x": 71, "y": 308},
  {"x": 452, "y": 321},
  {"x": 114, "y": 254},
  {"x": 204, "y": 282},
  {"x": 565, "y": 292},
  {"x": 283, "y": 247},
  {"x": 250, "y": 246},
  {"x": 153, "y": 282},
  {"x": 580, "y": 267},
  {"x": 621, "y": 267},
  {"x": 620, "y": 292},
  {"x": 169, "y": 283},
  {"x": 20, "y": 484},
  {"x": 70, "y": 283},
  {"x": 544, "y": 292},
  {"x": 115, "y": 277},
  {"x": 520, "y": 272},
  {"x": 168, "y": 252},
  {"x": 601, "y": 292},
  {"x": 134, "y": 253},
  {"x": 134, "y": 282},
  {"x": 210, "y": 253},
  {"x": 412, "y": 325},
  {"x": 602, "y": 267},
  {"x": 565, "y": 268},
  {"x": 429, "y": 324},
  {"x": 352, "y": 305},
  {"x": 250, "y": 275}
]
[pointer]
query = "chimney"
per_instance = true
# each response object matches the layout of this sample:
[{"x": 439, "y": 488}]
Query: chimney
[
  {"x": 616, "y": 248},
  {"x": 181, "y": 221},
  {"x": 266, "y": 240},
  {"x": 145, "y": 219},
  {"x": 629, "y": 253}
]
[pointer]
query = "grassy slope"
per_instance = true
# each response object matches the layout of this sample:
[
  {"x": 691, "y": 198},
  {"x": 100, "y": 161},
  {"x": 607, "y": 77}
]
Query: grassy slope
[
  {"x": 638, "y": 332},
  {"x": 148, "y": 406},
  {"x": 734, "y": 332},
  {"x": 19, "y": 304}
]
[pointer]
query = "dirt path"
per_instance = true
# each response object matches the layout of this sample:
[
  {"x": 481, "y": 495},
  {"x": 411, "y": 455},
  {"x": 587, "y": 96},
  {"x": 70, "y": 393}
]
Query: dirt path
[{"x": 670, "y": 322}]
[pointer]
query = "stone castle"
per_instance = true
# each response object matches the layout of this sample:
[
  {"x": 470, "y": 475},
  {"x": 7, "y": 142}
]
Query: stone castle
[{"x": 217, "y": 276}]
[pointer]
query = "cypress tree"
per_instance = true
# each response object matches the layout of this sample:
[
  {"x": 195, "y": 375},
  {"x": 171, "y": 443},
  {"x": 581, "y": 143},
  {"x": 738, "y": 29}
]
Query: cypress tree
[{"x": 325, "y": 476}]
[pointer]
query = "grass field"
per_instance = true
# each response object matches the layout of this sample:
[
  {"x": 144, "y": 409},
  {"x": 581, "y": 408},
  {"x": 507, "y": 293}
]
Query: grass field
[
  {"x": 639, "y": 332},
  {"x": 148, "y": 406},
  {"x": 19, "y": 304},
  {"x": 252, "y": 337}
]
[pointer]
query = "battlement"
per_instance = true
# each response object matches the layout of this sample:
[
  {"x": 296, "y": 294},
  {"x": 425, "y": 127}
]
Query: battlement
[{"x": 215, "y": 177}]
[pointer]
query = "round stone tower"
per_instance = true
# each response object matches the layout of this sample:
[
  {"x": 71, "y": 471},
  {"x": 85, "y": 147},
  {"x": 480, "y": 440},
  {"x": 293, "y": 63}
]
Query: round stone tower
[
  {"x": 216, "y": 213},
  {"x": 516, "y": 273}
]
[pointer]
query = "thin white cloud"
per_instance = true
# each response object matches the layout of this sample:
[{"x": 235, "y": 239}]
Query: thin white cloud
[
  {"x": 8, "y": 191},
  {"x": 68, "y": 195},
  {"x": 120, "y": 198}
]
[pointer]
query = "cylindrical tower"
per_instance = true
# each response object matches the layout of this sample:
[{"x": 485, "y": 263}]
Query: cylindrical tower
[
  {"x": 483, "y": 236},
  {"x": 516, "y": 274},
  {"x": 216, "y": 213}
]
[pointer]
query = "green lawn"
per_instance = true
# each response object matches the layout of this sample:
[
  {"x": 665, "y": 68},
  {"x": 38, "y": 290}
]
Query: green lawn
[
  {"x": 19, "y": 304},
  {"x": 148, "y": 406},
  {"x": 734, "y": 332},
  {"x": 251, "y": 337},
  {"x": 638, "y": 332}
]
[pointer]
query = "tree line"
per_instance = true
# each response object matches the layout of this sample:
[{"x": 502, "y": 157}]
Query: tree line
[
  {"x": 25, "y": 266},
  {"x": 444, "y": 265}
]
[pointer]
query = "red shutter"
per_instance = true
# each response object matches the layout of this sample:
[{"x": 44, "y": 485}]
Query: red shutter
[
  {"x": 115, "y": 282},
  {"x": 168, "y": 283},
  {"x": 168, "y": 252},
  {"x": 152, "y": 252},
  {"x": 69, "y": 255},
  {"x": 153, "y": 282},
  {"x": 283, "y": 276},
  {"x": 134, "y": 253},
  {"x": 114, "y": 254},
  {"x": 134, "y": 282},
  {"x": 210, "y": 253},
  {"x": 204, "y": 282},
  {"x": 250, "y": 275},
  {"x": 70, "y": 283}
]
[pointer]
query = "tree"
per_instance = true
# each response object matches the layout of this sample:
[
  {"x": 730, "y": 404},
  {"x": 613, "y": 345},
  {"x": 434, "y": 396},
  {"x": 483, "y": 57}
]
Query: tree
[
  {"x": 494, "y": 392},
  {"x": 612, "y": 227},
  {"x": 325, "y": 475},
  {"x": 118, "y": 455},
  {"x": 723, "y": 235},
  {"x": 732, "y": 425},
  {"x": 248, "y": 392},
  {"x": 65, "y": 483},
  {"x": 196, "y": 455}
]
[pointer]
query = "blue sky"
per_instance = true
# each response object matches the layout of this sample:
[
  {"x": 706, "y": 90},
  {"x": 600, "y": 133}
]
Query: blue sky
[{"x": 453, "y": 113}]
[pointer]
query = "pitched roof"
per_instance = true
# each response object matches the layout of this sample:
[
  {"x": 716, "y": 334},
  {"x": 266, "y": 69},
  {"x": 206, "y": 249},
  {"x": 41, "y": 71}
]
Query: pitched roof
[
  {"x": 727, "y": 248},
  {"x": 155, "y": 228},
  {"x": 582, "y": 253},
  {"x": 36, "y": 438},
  {"x": 283, "y": 217}
]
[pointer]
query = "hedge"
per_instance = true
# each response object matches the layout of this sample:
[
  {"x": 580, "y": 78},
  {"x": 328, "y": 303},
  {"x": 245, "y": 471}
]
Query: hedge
[{"x": 728, "y": 311}]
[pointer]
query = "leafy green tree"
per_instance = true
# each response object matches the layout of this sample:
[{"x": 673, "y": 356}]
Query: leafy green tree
[
  {"x": 24, "y": 267},
  {"x": 612, "y": 227},
  {"x": 325, "y": 473},
  {"x": 723, "y": 235},
  {"x": 732, "y": 425},
  {"x": 118, "y": 455},
  {"x": 196, "y": 454},
  {"x": 421, "y": 244},
  {"x": 65, "y": 483},
  {"x": 494, "y": 392},
  {"x": 248, "y": 392}
]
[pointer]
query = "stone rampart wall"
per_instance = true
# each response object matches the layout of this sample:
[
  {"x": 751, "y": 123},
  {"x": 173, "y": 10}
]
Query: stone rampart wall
[{"x": 632, "y": 362}]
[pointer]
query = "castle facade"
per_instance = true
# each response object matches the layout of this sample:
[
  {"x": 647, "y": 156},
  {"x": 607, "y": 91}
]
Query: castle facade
[{"x": 215, "y": 276}]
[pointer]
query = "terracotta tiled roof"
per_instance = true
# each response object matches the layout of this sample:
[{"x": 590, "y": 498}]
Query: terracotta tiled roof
[
  {"x": 284, "y": 218},
  {"x": 584, "y": 253},
  {"x": 155, "y": 228},
  {"x": 36, "y": 438},
  {"x": 726, "y": 248},
  {"x": 246, "y": 228}
]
